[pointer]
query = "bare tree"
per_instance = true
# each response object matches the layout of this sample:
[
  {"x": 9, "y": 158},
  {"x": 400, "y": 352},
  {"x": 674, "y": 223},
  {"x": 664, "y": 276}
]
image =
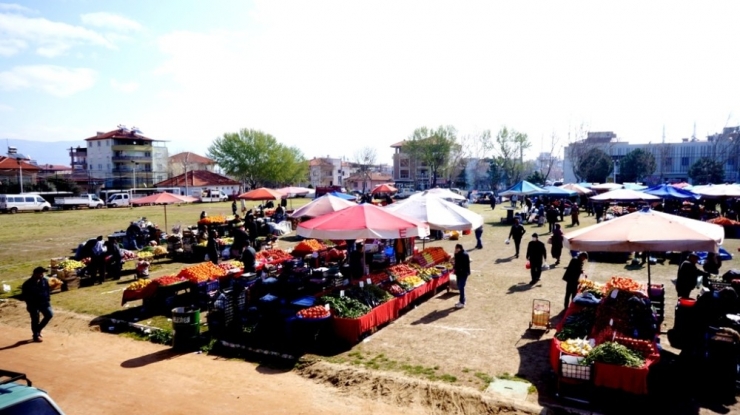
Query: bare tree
[
  {"x": 552, "y": 156},
  {"x": 365, "y": 158}
]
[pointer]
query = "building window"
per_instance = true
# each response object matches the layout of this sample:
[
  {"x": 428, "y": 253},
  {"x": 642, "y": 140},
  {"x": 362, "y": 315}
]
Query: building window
[
  {"x": 684, "y": 161},
  {"x": 107, "y": 143},
  {"x": 404, "y": 162},
  {"x": 404, "y": 174},
  {"x": 98, "y": 143},
  {"x": 108, "y": 168},
  {"x": 668, "y": 162},
  {"x": 100, "y": 166}
]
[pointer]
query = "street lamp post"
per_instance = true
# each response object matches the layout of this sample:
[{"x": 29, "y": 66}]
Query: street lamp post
[
  {"x": 20, "y": 173},
  {"x": 133, "y": 168}
]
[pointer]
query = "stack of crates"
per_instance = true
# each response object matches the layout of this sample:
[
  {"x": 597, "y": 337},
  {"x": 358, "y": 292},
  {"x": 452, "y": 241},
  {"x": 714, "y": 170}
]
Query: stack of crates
[
  {"x": 575, "y": 381},
  {"x": 205, "y": 293}
]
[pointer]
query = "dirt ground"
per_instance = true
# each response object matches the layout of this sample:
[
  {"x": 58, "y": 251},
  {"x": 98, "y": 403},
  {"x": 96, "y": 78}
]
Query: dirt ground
[{"x": 93, "y": 373}]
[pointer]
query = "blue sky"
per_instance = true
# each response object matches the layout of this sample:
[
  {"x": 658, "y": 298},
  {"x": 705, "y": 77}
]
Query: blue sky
[{"x": 333, "y": 76}]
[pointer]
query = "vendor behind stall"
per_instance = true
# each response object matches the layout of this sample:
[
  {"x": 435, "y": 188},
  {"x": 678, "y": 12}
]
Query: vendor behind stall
[
  {"x": 355, "y": 261},
  {"x": 688, "y": 275},
  {"x": 248, "y": 257}
]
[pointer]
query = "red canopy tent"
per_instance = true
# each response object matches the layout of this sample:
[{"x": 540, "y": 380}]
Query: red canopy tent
[
  {"x": 162, "y": 199},
  {"x": 262, "y": 193},
  {"x": 384, "y": 188},
  {"x": 362, "y": 222}
]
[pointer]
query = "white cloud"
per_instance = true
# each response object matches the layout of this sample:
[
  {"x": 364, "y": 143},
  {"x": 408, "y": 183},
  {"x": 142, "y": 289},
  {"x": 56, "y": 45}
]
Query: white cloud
[
  {"x": 110, "y": 21},
  {"x": 50, "y": 38},
  {"x": 55, "y": 80},
  {"x": 5, "y": 108},
  {"x": 125, "y": 87},
  {"x": 15, "y": 8},
  {"x": 9, "y": 47}
]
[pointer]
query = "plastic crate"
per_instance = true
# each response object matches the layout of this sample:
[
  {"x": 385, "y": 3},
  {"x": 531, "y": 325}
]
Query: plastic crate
[
  {"x": 575, "y": 371},
  {"x": 207, "y": 286}
]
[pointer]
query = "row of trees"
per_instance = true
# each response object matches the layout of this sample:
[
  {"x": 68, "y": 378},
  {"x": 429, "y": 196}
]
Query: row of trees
[{"x": 258, "y": 159}]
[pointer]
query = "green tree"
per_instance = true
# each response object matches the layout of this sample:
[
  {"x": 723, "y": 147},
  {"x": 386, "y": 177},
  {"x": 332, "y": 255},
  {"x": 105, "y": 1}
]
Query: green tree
[
  {"x": 509, "y": 147},
  {"x": 494, "y": 174},
  {"x": 595, "y": 166},
  {"x": 536, "y": 178},
  {"x": 432, "y": 148},
  {"x": 257, "y": 158},
  {"x": 636, "y": 165},
  {"x": 706, "y": 170}
]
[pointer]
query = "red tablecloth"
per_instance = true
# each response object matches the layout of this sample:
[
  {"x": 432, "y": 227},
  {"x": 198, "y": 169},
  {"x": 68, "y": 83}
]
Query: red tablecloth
[
  {"x": 140, "y": 294},
  {"x": 350, "y": 329}
]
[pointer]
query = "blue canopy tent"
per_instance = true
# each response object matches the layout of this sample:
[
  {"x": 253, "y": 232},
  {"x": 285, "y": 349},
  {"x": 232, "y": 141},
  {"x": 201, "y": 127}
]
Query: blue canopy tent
[
  {"x": 665, "y": 191},
  {"x": 523, "y": 188},
  {"x": 343, "y": 196},
  {"x": 555, "y": 191}
]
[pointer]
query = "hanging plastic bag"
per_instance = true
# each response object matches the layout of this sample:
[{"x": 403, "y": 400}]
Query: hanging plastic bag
[
  {"x": 506, "y": 241},
  {"x": 527, "y": 265}
]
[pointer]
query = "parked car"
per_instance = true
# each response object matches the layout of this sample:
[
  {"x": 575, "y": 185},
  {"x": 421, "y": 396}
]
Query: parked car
[
  {"x": 16, "y": 398},
  {"x": 90, "y": 201},
  {"x": 483, "y": 197},
  {"x": 23, "y": 203}
]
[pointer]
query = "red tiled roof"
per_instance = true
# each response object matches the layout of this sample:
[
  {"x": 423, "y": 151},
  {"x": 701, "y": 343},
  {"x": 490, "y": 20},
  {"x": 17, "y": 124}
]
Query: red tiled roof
[
  {"x": 199, "y": 178},
  {"x": 7, "y": 163},
  {"x": 53, "y": 167},
  {"x": 191, "y": 158},
  {"x": 398, "y": 144},
  {"x": 319, "y": 162},
  {"x": 119, "y": 135}
]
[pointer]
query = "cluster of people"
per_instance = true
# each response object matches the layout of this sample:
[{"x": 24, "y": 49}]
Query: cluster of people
[
  {"x": 106, "y": 258},
  {"x": 140, "y": 233}
]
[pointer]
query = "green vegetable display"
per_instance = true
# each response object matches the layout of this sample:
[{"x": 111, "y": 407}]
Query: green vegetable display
[
  {"x": 577, "y": 326},
  {"x": 615, "y": 354},
  {"x": 345, "y": 307}
]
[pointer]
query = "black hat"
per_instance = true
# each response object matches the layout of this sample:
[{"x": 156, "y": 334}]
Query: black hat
[{"x": 39, "y": 270}]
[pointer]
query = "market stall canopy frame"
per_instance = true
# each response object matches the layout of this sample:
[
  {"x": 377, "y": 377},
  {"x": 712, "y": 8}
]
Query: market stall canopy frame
[
  {"x": 364, "y": 221},
  {"x": 438, "y": 213},
  {"x": 324, "y": 205},
  {"x": 262, "y": 193}
]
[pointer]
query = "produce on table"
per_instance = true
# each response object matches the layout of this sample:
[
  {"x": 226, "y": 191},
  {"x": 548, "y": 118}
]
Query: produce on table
[
  {"x": 335, "y": 255},
  {"x": 579, "y": 347},
  {"x": 401, "y": 270},
  {"x": 160, "y": 250},
  {"x": 273, "y": 255},
  {"x": 394, "y": 289},
  {"x": 376, "y": 277},
  {"x": 309, "y": 245},
  {"x": 431, "y": 256},
  {"x": 212, "y": 220},
  {"x": 127, "y": 255},
  {"x": 410, "y": 282},
  {"x": 643, "y": 347},
  {"x": 615, "y": 354},
  {"x": 369, "y": 295},
  {"x": 138, "y": 284},
  {"x": 225, "y": 241},
  {"x": 723, "y": 221},
  {"x": 345, "y": 307},
  {"x": 226, "y": 266},
  {"x": 145, "y": 255},
  {"x": 316, "y": 311},
  {"x": 586, "y": 284},
  {"x": 70, "y": 265},
  {"x": 54, "y": 283},
  {"x": 622, "y": 283},
  {"x": 202, "y": 272},
  {"x": 577, "y": 325},
  {"x": 168, "y": 280},
  {"x": 147, "y": 248}
]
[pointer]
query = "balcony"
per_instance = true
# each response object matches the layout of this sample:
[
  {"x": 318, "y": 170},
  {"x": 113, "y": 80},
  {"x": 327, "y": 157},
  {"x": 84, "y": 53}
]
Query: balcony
[
  {"x": 131, "y": 147},
  {"x": 137, "y": 159}
]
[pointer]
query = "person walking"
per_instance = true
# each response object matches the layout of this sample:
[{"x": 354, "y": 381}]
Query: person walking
[
  {"x": 574, "y": 215},
  {"x": 536, "y": 255},
  {"x": 552, "y": 216},
  {"x": 572, "y": 275},
  {"x": 516, "y": 233},
  {"x": 557, "y": 244},
  {"x": 478, "y": 235},
  {"x": 233, "y": 207},
  {"x": 462, "y": 271},
  {"x": 493, "y": 201},
  {"x": 98, "y": 260},
  {"x": 37, "y": 295}
]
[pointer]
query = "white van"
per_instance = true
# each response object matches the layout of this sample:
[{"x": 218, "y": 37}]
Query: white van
[
  {"x": 118, "y": 200},
  {"x": 23, "y": 203}
]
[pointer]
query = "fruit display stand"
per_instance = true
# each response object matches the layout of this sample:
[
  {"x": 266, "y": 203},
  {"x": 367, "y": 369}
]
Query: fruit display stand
[
  {"x": 351, "y": 330},
  {"x": 613, "y": 324}
]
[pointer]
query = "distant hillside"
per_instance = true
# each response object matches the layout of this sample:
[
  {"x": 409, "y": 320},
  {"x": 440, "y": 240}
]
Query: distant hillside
[{"x": 52, "y": 152}]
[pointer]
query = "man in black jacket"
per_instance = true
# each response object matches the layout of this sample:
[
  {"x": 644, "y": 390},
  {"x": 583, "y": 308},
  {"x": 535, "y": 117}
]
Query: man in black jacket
[
  {"x": 688, "y": 274},
  {"x": 572, "y": 275},
  {"x": 536, "y": 255},
  {"x": 462, "y": 271},
  {"x": 37, "y": 295},
  {"x": 516, "y": 233},
  {"x": 551, "y": 215}
]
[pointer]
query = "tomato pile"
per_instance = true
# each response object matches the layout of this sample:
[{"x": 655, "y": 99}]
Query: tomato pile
[
  {"x": 309, "y": 245},
  {"x": 273, "y": 255},
  {"x": 376, "y": 277},
  {"x": 212, "y": 220},
  {"x": 335, "y": 255},
  {"x": 202, "y": 272},
  {"x": 394, "y": 289},
  {"x": 226, "y": 266},
  {"x": 316, "y": 311},
  {"x": 622, "y": 283},
  {"x": 168, "y": 280},
  {"x": 401, "y": 270}
]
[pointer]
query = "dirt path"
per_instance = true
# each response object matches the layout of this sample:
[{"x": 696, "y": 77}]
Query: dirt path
[{"x": 89, "y": 372}]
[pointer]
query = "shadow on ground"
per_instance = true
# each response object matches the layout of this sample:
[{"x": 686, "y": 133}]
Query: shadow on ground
[
  {"x": 150, "y": 358},
  {"x": 434, "y": 316}
]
